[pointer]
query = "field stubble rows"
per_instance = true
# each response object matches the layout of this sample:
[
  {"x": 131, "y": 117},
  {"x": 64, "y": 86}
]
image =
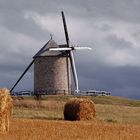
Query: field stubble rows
[
  {"x": 43, "y": 120},
  {"x": 23, "y": 129}
]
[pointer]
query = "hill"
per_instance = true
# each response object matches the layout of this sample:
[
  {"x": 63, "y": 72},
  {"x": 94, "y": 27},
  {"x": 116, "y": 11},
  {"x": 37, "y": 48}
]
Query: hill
[{"x": 108, "y": 108}]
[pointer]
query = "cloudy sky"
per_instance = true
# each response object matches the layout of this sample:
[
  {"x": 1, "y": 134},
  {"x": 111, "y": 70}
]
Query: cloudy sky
[{"x": 110, "y": 27}]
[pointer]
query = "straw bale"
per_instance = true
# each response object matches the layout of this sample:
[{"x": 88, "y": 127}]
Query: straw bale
[
  {"x": 5, "y": 110},
  {"x": 79, "y": 109}
]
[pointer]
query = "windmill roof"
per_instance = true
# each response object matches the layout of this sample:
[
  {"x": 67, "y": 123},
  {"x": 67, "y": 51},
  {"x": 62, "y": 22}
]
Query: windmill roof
[{"x": 44, "y": 51}]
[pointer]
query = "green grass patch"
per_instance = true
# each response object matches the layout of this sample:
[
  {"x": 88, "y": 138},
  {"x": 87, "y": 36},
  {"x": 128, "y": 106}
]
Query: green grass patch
[
  {"x": 37, "y": 113},
  {"x": 108, "y": 108}
]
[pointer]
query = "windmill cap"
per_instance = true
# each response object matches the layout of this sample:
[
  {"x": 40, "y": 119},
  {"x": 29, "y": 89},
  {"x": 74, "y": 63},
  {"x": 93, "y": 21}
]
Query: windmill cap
[{"x": 44, "y": 51}]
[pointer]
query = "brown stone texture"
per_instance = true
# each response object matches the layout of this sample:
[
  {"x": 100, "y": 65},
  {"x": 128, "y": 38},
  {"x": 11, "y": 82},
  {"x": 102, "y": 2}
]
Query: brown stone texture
[{"x": 52, "y": 74}]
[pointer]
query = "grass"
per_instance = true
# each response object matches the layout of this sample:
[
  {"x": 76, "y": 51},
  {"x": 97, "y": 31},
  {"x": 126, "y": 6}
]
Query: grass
[
  {"x": 37, "y": 113},
  {"x": 117, "y": 113},
  {"x": 113, "y": 100},
  {"x": 108, "y": 108}
]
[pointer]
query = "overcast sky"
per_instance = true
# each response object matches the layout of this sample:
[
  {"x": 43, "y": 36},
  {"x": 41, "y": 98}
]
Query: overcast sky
[{"x": 110, "y": 27}]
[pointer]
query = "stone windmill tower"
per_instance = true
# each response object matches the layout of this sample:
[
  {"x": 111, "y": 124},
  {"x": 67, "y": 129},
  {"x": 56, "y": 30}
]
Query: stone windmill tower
[
  {"x": 52, "y": 70},
  {"x": 53, "y": 65}
]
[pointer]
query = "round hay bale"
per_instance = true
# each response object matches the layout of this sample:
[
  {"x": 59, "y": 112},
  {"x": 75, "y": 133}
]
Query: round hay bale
[
  {"x": 5, "y": 110},
  {"x": 79, "y": 109}
]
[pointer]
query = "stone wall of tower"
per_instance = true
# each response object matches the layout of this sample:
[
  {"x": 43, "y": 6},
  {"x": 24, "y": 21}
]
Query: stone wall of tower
[{"x": 52, "y": 74}]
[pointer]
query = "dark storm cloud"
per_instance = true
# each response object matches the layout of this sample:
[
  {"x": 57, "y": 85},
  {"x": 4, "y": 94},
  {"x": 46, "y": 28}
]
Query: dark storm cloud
[
  {"x": 110, "y": 27},
  {"x": 14, "y": 21},
  {"x": 13, "y": 18},
  {"x": 126, "y": 9},
  {"x": 117, "y": 80}
]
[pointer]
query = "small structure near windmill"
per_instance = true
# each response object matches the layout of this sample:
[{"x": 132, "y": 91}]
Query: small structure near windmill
[{"x": 53, "y": 65}]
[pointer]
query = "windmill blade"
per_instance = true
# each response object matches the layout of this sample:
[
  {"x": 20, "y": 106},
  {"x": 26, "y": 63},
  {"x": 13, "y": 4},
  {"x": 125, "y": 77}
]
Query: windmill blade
[
  {"x": 22, "y": 76},
  {"x": 70, "y": 48},
  {"x": 60, "y": 49},
  {"x": 65, "y": 28},
  {"x": 41, "y": 50},
  {"x": 70, "y": 53},
  {"x": 73, "y": 67},
  {"x": 82, "y": 48}
]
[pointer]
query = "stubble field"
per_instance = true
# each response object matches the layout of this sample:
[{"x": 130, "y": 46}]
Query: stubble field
[
  {"x": 26, "y": 129},
  {"x": 116, "y": 119}
]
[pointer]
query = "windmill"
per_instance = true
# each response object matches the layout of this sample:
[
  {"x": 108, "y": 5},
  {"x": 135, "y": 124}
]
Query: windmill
[
  {"x": 52, "y": 66},
  {"x": 70, "y": 51}
]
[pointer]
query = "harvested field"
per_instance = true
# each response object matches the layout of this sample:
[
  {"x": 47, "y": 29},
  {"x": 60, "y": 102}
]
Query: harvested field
[
  {"x": 114, "y": 121},
  {"x": 23, "y": 129}
]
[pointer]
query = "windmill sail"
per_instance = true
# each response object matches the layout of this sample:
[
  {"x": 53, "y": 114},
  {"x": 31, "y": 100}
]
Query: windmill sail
[
  {"x": 65, "y": 29},
  {"x": 73, "y": 67},
  {"x": 82, "y": 48},
  {"x": 70, "y": 48},
  {"x": 22, "y": 76},
  {"x": 60, "y": 49},
  {"x": 74, "y": 71}
]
